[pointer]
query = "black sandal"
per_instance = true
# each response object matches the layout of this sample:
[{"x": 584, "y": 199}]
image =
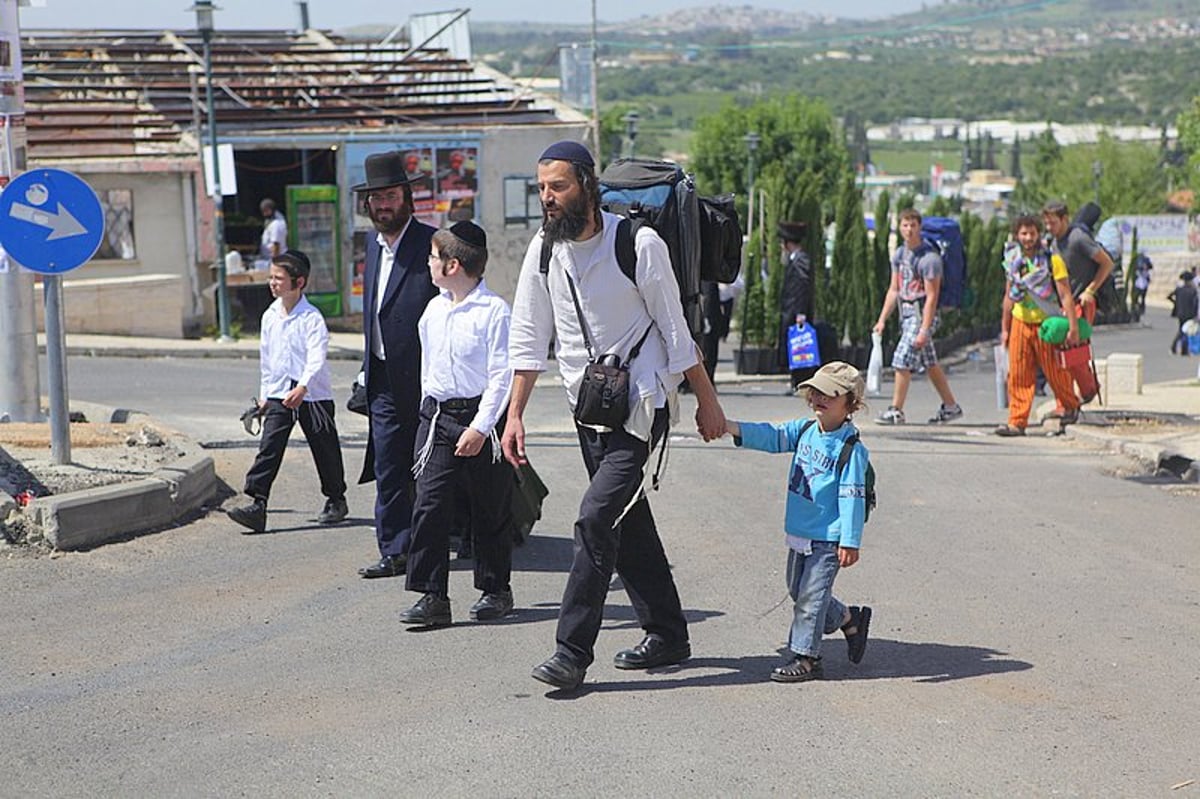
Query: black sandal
[
  {"x": 799, "y": 669},
  {"x": 855, "y": 631}
]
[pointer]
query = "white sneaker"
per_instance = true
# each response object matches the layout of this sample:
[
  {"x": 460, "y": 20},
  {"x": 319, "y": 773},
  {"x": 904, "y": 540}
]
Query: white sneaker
[
  {"x": 947, "y": 413},
  {"x": 892, "y": 415}
]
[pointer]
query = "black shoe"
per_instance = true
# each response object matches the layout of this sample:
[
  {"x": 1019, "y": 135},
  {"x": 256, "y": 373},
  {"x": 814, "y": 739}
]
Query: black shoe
[
  {"x": 388, "y": 566},
  {"x": 492, "y": 606},
  {"x": 652, "y": 651},
  {"x": 856, "y": 631},
  {"x": 431, "y": 610},
  {"x": 560, "y": 672},
  {"x": 335, "y": 511},
  {"x": 252, "y": 516}
]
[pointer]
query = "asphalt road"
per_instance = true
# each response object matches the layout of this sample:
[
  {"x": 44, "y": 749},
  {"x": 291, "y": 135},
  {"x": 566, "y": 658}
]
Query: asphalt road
[{"x": 1035, "y": 630}]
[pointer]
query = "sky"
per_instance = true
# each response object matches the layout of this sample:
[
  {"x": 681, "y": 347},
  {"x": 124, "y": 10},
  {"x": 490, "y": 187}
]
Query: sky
[{"x": 336, "y": 14}]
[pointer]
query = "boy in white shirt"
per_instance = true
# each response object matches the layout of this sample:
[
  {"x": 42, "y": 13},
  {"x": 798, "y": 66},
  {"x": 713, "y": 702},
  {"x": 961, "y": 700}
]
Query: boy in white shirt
[
  {"x": 295, "y": 386},
  {"x": 465, "y": 384}
]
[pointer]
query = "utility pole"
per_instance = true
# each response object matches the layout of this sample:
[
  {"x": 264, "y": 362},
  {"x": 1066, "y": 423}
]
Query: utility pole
[
  {"x": 595, "y": 87},
  {"x": 19, "y": 394}
]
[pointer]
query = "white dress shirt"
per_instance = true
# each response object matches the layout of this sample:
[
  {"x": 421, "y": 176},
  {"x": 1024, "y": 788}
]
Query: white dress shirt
[
  {"x": 293, "y": 347},
  {"x": 274, "y": 232},
  {"x": 387, "y": 259},
  {"x": 617, "y": 314},
  {"x": 464, "y": 352}
]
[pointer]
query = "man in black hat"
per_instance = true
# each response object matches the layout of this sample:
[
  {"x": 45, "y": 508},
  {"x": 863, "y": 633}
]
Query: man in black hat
[
  {"x": 396, "y": 289},
  {"x": 588, "y": 303},
  {"x": 796, "y": 296}
]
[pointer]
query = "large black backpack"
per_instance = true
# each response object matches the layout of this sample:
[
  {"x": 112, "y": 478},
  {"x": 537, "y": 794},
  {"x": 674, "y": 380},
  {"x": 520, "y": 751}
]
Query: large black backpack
[{"x": 662, "y": 195}]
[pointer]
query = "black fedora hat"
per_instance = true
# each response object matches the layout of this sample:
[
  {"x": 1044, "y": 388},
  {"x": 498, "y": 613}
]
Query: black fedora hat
[
  {"x": 792, "y": 231},
  {"x": 384, "y": 170}
]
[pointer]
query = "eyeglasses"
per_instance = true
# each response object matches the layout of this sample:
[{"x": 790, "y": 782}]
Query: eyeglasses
[
  {"x": 435, "y": 257},
  {"x": 392, "y": 196}
]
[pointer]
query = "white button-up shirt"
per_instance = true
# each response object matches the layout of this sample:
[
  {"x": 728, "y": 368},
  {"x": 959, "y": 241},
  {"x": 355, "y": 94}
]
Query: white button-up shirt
[
  {"x": 293, "y": 346},
  {"x": 387, "y": 259},
  {"x": 464, "y": 352},
  {"x": 616, "y": 311}
]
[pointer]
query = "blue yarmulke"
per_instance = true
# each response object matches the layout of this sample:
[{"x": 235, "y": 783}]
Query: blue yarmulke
[{"x": 571, "y": 151}]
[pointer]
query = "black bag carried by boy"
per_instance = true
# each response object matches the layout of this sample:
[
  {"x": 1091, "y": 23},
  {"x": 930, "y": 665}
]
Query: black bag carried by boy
[{"x": 528, "y": 494}]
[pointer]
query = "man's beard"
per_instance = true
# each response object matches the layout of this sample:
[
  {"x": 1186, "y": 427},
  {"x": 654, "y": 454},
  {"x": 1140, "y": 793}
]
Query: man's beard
[
  {"x": 570, "y": 223},
  {"x": 392, "y": 224}
]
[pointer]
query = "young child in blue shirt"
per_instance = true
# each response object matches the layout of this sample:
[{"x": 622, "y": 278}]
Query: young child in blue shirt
[{"x": 824, "y": 517}]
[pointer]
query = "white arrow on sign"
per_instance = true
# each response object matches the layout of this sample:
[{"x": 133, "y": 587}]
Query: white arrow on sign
[{"x": 62, "y": 225}]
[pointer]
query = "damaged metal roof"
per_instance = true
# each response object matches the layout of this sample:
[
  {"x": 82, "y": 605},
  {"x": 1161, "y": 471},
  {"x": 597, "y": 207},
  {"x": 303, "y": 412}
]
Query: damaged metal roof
[{"x": 123, "y": 93}]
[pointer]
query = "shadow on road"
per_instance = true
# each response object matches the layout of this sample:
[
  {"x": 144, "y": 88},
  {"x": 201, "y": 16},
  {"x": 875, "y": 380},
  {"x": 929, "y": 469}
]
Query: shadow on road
[{"x": 922, "y": 662}]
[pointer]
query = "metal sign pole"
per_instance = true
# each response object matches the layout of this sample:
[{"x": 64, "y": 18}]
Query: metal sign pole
[{"x": 56, "y": 363}]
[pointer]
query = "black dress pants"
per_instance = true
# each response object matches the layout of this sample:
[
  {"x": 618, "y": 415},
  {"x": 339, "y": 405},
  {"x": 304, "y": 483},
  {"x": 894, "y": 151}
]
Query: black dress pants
[
  {"x": 322, "y": 436},
  {"x": 615, "y": 462},
  {"x": 489, "y": 485}
]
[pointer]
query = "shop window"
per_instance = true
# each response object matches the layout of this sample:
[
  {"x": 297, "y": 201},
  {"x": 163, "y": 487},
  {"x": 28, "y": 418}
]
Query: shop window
[
  {"x": 117, "y": 243},
  {"x": 522, "y": 206}
]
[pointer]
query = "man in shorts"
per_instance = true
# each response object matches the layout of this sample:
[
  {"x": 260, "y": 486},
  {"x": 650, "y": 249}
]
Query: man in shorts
[{"x": 916, "y": 284}]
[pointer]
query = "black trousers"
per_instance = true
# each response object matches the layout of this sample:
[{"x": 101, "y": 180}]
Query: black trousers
[
  {"x": 489, "y": 486},
  {"x": 615, "y": 462},
  {"x": 393, "y": 430},
  {"x": 322, "y": 436}
]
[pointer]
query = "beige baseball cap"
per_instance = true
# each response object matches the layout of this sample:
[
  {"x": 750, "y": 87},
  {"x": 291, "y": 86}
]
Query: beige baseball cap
[{"x": 835, "y": 379}]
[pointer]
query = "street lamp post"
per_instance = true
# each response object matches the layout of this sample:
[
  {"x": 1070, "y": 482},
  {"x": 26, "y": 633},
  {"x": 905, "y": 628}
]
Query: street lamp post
[
  {"x": 631, "y": 130},
  {"x": 751, "y": 139},
  {"x": 204, "y": 23}
]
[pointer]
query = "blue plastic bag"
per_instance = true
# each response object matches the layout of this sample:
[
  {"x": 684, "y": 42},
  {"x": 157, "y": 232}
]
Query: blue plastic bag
[{"x": 803, "y": 352}]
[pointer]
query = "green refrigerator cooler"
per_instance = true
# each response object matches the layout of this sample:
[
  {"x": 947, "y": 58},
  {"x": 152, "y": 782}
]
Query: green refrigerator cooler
[{"x": 313, "y": 227}]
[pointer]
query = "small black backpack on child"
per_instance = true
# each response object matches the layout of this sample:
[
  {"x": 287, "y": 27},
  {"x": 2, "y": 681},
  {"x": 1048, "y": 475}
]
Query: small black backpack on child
[{"x": 843, "y": 459}]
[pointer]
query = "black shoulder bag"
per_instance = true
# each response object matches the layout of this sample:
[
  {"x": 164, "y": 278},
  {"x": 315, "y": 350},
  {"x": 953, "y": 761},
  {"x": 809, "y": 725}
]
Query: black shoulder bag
[{"x": 603, "y": 396}]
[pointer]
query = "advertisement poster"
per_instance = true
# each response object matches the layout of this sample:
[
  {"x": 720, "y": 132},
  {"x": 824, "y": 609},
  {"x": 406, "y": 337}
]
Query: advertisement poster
[{"x": 445, "y": 188}]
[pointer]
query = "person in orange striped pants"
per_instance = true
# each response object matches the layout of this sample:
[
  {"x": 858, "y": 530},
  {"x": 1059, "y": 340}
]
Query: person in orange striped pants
[{"x": 1037, "y": 288}]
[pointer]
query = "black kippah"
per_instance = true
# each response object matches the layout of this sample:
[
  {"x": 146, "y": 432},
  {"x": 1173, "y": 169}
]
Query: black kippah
[
  {"x": 470, "y": 233},
  {"x": 571, "y": 151}
]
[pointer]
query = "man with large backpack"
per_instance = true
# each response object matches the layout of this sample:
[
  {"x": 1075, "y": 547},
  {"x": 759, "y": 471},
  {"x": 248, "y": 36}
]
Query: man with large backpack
[
  {"x": 915, "y": 287},
  {"x": 1088, "y": 264},
  {"x": 603, "y": 319}
]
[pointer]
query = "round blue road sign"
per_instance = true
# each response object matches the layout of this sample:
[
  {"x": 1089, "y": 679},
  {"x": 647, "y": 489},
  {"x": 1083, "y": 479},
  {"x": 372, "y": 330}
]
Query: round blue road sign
[{"x": 50, "y": 221}]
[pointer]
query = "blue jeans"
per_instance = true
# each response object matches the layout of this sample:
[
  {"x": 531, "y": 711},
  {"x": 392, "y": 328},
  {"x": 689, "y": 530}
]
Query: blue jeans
[{"x": 810, "y": 583}]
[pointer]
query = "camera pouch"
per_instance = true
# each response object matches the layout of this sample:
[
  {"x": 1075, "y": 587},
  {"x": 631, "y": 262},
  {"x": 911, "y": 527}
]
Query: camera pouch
[{"x": 603, "y": 396}]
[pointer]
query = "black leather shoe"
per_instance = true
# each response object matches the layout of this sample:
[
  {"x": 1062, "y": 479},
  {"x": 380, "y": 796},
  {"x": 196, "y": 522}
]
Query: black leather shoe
[
  {"x": 335, "y": 511},
  {"x": 431, "y": 610},
  {"x": 252, "y": 516},
  {"x": 560, "y": 672},
  {"x": 651, "y": 652},
  {"x": 492, "y": 606},
  {"x": 388, "y": 566}
]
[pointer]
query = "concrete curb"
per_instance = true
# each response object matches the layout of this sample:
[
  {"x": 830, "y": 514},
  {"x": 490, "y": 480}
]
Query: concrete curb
[
  {"x": 94, "y": 516},
  {"x": 1162, "y": 457}
]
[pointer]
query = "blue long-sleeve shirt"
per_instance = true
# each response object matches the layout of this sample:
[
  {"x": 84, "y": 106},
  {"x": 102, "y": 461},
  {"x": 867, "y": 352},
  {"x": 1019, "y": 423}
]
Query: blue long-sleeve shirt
[{"x": 820, "y": 506}]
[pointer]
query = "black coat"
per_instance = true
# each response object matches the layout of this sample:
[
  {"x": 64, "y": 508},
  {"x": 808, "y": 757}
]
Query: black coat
[{"x": 409, "y": 290}]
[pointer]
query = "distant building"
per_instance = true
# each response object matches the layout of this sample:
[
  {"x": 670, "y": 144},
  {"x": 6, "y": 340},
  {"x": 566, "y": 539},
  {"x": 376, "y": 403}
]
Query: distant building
[{"x": 126, "y": 111}]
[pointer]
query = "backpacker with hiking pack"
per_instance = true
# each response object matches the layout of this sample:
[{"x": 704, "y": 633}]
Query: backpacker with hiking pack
[
  {"x": 843, "y": 459},
  {"x": 702, "y": 234},
  {"x": 945, "y": 236},
  {"x": 1109, "y": 298}
]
